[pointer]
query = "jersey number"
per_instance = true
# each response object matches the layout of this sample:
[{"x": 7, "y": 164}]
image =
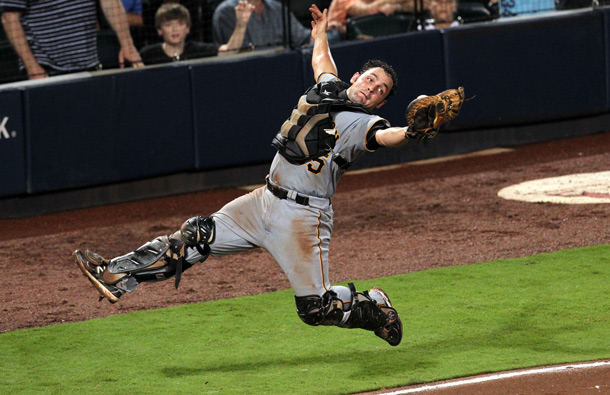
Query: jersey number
[{"x": 315, "y": 166}]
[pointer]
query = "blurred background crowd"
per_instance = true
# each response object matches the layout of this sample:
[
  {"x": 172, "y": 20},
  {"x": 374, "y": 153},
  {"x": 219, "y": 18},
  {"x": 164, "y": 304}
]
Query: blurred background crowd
[{"x": 42, "y": 38}]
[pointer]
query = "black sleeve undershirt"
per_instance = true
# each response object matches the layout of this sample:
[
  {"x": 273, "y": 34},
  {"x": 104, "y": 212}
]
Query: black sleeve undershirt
[{"x": 371, "y": 142}]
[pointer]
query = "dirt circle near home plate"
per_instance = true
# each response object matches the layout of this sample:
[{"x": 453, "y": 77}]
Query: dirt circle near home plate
[
  {"x": 584, "y": 188},
  {"x": 396, "y": 220}
]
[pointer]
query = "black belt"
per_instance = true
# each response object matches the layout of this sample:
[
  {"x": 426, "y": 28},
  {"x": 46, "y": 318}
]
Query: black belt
[{"x": 282, "y": 193}]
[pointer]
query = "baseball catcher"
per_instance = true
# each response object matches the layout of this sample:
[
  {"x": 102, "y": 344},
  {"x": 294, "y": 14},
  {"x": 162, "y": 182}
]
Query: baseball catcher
[{"x": 291, "y": 216}]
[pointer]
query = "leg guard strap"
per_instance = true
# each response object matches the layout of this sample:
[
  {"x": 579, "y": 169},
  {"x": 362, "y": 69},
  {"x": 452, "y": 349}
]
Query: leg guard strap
[
  {"x": 365, "y": 313},
  {"x": 193, "y": 232}
]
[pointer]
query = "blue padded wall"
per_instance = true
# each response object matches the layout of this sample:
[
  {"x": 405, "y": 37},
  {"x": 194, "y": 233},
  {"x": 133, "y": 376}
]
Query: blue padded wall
[
  {"x": 605, "y": 12},
  {"x": 109, "y": 128},
  {"x": 12, "y": 144},
  {"x": 523, "y": 71},
  {"x": 240, "y": 104}
]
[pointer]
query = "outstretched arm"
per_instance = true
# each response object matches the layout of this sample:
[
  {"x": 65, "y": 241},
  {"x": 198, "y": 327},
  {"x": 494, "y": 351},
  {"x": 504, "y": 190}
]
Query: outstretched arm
[
  {"x": 392, "y": 137},
  {"x": 321, "y": 58}
]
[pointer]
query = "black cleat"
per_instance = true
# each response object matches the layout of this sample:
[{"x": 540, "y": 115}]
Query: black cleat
[{"x": 392, "y": 330}]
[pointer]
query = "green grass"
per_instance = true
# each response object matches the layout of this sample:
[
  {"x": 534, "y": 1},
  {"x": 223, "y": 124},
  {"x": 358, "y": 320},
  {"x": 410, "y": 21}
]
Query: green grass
[{"x": 458, "y": 321}]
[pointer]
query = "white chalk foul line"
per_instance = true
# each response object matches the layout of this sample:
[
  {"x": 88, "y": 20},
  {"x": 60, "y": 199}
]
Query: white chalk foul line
[{"x": 499, "y": 376}]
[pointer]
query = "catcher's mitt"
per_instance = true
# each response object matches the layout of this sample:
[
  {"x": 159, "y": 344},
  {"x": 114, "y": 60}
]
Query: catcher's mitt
[{"x": 426, "y": 114}]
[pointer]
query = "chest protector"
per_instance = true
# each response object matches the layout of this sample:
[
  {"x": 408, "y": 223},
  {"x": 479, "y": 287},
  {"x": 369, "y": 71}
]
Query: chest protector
[{"x": 310, "y": 132}]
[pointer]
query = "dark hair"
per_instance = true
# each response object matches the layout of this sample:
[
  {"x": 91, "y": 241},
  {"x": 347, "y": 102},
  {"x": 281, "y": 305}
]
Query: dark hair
[
  {"x": 171, "y": 12},
  {"x": 371, "y": 64}
]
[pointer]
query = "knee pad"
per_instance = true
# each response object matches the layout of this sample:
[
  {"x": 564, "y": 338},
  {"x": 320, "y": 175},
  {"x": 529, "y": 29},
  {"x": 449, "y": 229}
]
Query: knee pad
[
  {"x": 320, "y": 310},
  {"x": 197, "y": 230}
]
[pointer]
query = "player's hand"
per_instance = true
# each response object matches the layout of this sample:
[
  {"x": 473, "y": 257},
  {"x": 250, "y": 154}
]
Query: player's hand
[
  {"x": 243, "y": 11},
  {"x": 319, "y": 23}
]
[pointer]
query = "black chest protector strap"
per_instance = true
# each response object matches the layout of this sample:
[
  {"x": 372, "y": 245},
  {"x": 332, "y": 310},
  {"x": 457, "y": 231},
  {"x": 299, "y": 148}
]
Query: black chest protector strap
[
  {"x": 341, "y": 162},
  {"x": 310, "y": 131}
]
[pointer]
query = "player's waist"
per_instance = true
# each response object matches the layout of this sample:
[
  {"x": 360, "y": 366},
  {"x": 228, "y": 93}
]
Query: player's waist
[{"x": 299, "y": 198}]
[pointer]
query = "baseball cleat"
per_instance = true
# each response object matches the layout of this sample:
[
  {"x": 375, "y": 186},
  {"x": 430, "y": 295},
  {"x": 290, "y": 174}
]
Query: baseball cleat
[
  {"x": 392, "y": 330},
  {"x": 93, "y": 265}
]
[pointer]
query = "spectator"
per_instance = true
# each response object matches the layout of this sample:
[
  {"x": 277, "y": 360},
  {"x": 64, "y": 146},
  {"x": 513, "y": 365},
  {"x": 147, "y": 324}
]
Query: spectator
[
  {"x": 150, "y": 7},
  {"x": 43, "y": 50},
  {"x": 173, "y": 23},
  {"x": 442, "y": 13},
  {"x": 265, "y": 28},
  {"x": 340, "y": 10}
]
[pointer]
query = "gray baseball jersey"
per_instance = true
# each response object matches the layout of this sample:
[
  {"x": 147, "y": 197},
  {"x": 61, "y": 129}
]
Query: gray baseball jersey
[
  {"x": 297, "y": 235},
  {"x": 320, "y": 176}
]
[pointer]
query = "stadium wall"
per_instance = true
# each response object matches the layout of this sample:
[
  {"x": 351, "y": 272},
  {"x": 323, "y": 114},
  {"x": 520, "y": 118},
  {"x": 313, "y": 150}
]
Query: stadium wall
[{"x": 169, "y": 129}]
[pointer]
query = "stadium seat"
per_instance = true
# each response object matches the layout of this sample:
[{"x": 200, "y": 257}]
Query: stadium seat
[
  {"x": 207, "y": 8},
  {"x": 574, "y": 4},
  {"x": 378, "y": 25},
  {"x": 108, "y": 48},
  {"x": 9, "y": 64},
  {"x": 473, "y": 12}
]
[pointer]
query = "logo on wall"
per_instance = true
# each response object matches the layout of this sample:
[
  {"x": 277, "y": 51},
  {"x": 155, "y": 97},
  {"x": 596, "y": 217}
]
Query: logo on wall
[{"x": 4, "y": 133}]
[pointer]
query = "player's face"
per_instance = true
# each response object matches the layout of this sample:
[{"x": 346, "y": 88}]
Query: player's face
[
  {"x": 370, "y": 88},
  {"x": 174, "y": 32}
]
